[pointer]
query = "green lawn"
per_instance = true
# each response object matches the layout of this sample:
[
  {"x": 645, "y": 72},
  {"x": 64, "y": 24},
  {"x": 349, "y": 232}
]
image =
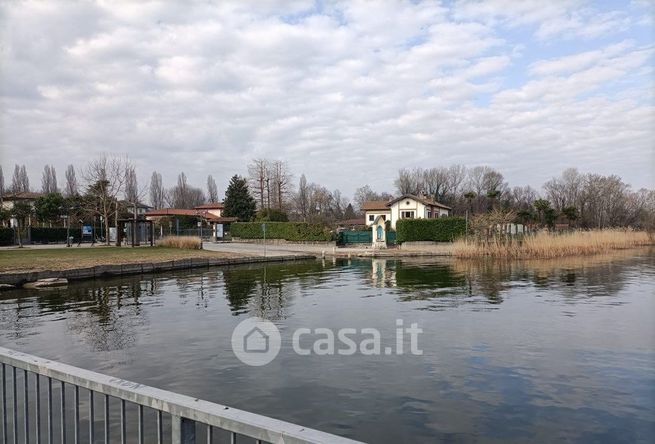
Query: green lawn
[{"x": 26, "y": 259}]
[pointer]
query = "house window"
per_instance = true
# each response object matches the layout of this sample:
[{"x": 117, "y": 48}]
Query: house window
[
  {"x": 371, "y": 217},
  {"x": 384, "y": 217},
  {"x": 407, "y": 215},
  {"x": 429, "y": 214}
]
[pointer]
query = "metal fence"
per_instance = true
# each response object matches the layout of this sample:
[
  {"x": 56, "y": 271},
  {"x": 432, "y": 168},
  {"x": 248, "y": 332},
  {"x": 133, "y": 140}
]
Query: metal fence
[{"x": 47, "y": 401}]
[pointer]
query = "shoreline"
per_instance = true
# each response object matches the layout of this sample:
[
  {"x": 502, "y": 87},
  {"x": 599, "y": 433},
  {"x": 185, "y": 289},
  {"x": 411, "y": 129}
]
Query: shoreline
[{"x": 17, "y": 279}]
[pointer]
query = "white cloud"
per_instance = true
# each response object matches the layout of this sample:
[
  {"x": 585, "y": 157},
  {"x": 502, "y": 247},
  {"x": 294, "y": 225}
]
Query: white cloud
[{"x": 206, "y": 88}]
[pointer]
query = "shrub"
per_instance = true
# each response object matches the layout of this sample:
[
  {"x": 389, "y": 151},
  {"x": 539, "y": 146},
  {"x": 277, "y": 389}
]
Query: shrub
[
  {"x": 183, "y": 242},
  {"x": 444, "y": 229},
  {"x": 291, "y": 231},
  {"x": 271, "y": 215},
  {"x": 6, "y": 236}
]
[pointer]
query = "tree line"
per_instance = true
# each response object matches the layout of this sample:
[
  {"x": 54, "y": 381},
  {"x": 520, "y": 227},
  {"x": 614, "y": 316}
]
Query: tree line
[{"x": 271, "y": 192}]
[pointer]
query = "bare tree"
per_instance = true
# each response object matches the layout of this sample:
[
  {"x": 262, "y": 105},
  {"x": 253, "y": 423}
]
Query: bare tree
[
  {"x": 49, "y": 180},
  {"x": 365, "y": 193},
  {"x": 258, "y": 172},
  {"x": 157, "y": 192},
  {"x": 302, "y": 198},
  {"x": 212, "y": 189},
  {"x": 20, "y": 182},
  {"x": 71, "y": 181},
  {"x": 105, "y": 177},
  {"x": 410, "y": 181},
  {"x": 183, "y": 195},
  {"x": 131, "y": 185},
  {"x": 280, "y": 178}
]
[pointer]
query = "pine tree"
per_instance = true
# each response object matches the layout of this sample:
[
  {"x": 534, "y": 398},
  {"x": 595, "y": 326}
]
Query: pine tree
[{"x": 238, "y": 201}]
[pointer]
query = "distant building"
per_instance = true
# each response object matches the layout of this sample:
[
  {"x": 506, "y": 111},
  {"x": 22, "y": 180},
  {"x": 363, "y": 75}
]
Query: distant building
[
  {"x": 406, "y": 206},
  {"x": 24, "y": 196}
]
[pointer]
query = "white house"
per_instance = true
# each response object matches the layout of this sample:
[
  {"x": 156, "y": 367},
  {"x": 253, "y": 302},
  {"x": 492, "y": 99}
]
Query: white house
[{"x": 407, "y": 206}]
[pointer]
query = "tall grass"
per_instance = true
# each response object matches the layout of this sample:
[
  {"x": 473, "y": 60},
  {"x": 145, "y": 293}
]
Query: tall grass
[
  {"x": 183, "y": 242},
  {"x": 554, "y": 245}
]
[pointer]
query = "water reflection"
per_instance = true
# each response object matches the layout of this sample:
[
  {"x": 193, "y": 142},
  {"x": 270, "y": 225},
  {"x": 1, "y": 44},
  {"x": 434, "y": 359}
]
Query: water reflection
[{"x": 513, "y": 351}]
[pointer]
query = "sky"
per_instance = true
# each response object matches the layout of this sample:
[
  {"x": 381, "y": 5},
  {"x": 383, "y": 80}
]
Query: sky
[{"x": 345, "y": 92}]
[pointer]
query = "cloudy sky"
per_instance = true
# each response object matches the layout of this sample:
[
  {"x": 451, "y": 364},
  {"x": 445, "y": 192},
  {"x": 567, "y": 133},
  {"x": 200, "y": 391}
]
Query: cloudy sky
[{"x": 346, "y": 92}]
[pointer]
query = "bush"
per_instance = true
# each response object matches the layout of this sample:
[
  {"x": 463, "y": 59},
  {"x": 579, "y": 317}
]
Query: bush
[
  {"x": 183, "y": 242},
  {"x": 271, "y": 215},
  {"x": 50, "y": 235},
  {"x": 291, "y": 231},
  {"x": 444, "y": 229},
  {"x": 6, "y": 236}
]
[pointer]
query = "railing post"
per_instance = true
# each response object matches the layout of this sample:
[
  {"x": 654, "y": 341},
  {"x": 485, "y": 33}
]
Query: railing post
[{"x": 183, "y": 430}]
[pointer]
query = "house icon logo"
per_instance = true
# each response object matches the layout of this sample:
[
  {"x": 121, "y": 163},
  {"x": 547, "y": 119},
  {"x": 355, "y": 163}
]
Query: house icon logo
[{"x": 256, "y": 341}]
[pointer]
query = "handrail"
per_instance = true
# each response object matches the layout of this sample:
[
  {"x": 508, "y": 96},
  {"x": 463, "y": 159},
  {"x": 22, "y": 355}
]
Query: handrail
[{"x": 227, "y": 418}]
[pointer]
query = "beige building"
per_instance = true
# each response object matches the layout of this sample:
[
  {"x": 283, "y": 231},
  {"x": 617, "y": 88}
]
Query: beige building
[
  {"x": 407, "y": 206},
  {"x": 23, "y": 196}
]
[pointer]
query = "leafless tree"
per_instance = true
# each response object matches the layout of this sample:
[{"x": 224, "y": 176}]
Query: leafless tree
[
  {"x": 212, "y": 189},
  {"x": 20, "y": 182},
  {"x": 258, "y": 172},
  {"x": 71, "y": 181},
  {"x": 184, "y": 195},
  {"x": 49, "y": 180},
  {"x": 280, "y": 178},
  {"x": 157, "y": 191},
  {"x": 302, "y": 198},
  {"x": 365, "y": 193},
  {"x": 131, "y": 185},
  {"x": 105, "y": 177}
]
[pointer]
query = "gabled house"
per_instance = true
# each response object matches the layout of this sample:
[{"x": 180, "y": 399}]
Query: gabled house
[{"x": 407, "y": 206}]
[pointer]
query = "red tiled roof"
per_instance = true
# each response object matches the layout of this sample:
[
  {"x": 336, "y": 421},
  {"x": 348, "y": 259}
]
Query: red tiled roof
[
  {"x": 375, "y": 205},
  {"x": 173, "y": 212},
  {"x": 210, "y": 206},
  {"x": 27, "y": 195}
]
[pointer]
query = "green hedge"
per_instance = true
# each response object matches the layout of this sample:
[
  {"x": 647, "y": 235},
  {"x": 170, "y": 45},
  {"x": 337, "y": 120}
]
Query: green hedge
[
  {"x": 6, "y": 236},
  {"x": 291, "y": 231},
  {"x": 444, "y": 229},
  {"x": 50, "y": 235}
]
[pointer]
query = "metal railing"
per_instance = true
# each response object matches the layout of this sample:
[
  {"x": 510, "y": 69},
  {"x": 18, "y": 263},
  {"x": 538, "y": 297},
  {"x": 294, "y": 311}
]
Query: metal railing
[{"x": 31, "y": 385}]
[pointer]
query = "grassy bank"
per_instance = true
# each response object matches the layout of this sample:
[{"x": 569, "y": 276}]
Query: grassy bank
[
  {"x": 38, "y": 259},
  {"x": 552, "y": 245}
]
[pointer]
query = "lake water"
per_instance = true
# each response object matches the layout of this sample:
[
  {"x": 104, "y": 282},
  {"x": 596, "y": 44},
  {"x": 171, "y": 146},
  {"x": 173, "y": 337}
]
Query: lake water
[{"x": 512, "y": 352}]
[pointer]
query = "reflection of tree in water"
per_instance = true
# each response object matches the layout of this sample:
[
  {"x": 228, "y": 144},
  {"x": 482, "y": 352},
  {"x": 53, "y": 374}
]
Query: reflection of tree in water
[
  {"x": 107, "y": 317},
  {"x": 267, "y": 290},
  {"x": 574, "y": 277},
  {"x": 20, "y": 313}
]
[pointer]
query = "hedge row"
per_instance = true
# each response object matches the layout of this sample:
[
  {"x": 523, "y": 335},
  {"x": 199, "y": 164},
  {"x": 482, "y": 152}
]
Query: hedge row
[
  {"x": 6, "y": 236},
  {"x": 291, "y": 231},
  {"x": 50, "y": 235},
  {"x": 443, "y": 229}
]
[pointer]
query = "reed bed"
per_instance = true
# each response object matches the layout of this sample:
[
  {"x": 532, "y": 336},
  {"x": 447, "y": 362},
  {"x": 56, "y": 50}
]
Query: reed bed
[
  {"x": 183, "y": 242},
  {"x": 545, "y": 245}
]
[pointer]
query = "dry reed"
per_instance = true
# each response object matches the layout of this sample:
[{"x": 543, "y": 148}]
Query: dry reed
[
  {"x": 183, "y": 242},
  {"x": 554, "y": 245}
]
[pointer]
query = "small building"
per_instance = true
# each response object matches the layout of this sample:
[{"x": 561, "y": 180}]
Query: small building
[
  {"x": 407, "y": 206},
  {"x": 23, "y": 196},
  {"x": 214, "y": 208}
]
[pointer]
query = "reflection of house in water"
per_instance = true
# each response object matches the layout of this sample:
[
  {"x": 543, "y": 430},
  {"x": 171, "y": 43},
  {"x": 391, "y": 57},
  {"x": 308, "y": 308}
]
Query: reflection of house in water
[{"x": 381, "y": 275}]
